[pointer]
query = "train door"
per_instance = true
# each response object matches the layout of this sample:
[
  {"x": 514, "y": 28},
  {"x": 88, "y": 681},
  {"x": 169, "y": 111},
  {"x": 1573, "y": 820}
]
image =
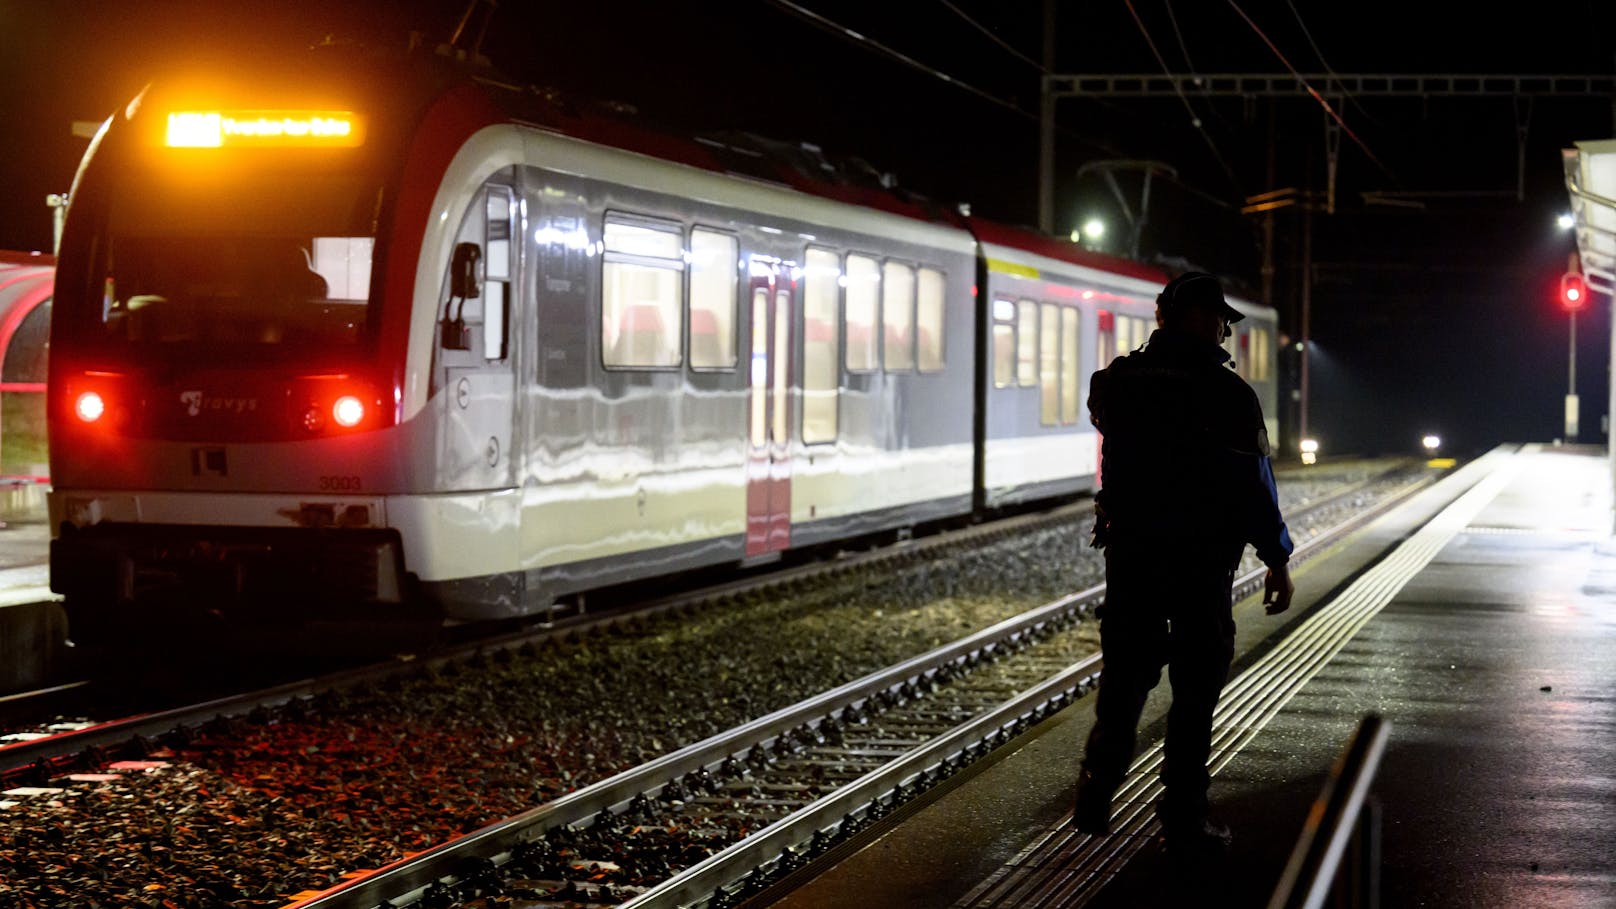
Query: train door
[
  {"x": 768, "y": 461},
  {"x": 1107, "y": 338},
  {"x": 475, "y": 345}
]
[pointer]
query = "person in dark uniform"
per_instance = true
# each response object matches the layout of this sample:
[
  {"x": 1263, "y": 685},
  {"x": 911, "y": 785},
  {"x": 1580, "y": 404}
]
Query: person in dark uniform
[{"x": 1185, "y": 484}]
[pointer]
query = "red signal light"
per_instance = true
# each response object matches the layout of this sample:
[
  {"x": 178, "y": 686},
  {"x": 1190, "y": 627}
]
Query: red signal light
[{"x": 1573, "y": 291}]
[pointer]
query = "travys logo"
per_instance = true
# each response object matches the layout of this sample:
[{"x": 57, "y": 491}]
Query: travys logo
[{"x": 197, "y": 401}]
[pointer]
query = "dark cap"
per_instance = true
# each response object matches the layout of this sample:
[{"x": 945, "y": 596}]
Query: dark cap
[{"x": 1195, "y": 290}]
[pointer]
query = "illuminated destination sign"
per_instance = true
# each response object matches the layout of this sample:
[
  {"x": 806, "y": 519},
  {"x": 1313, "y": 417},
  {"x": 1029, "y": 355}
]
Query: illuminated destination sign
[{"x": 264, "y": 128}]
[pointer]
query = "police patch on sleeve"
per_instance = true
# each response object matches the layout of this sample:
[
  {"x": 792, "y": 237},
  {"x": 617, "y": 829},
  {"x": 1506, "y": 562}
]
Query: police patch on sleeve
[{"x": 1262, "y": 442}]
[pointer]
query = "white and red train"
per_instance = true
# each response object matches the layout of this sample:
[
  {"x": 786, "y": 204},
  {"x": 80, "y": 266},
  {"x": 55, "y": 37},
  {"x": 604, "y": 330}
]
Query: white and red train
[{"x": 380, "y": 336}]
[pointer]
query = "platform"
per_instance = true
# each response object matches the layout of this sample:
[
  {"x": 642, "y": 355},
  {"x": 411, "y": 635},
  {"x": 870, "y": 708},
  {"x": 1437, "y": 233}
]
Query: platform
[
  {"x": 1478, "y": 618},
  {"x": 32, "y": 625}
]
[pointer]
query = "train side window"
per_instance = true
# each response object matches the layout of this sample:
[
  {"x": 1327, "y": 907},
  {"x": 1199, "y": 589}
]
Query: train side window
[
  {"x": 1070, "y": 363},
  {"x": 1004, "y": 343},
  {"x": 1257, "y": 355},
  {"x": 1049, "y": 364},
  {"x": 821, "y": 375},
  {"x": 1026, "y": 343},
  {"x": 929, "y": 320},
  {"x": 714, "y": 268},
  {"x": 897, "y": 317},
  {"x": 642, "y": 284},
  {"x": 497, "y": 272},
  {"x": 1132, "y": 333},
  {"x": 861, "y": 308},
  {"x": 479, "y": 279}
]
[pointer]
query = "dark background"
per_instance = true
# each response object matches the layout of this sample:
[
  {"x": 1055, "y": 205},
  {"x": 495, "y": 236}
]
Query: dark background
[{"x": 1435, "y": 315}]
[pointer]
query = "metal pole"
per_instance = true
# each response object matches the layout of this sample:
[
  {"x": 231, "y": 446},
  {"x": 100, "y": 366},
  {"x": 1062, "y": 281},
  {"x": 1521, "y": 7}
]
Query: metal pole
[
  {"x": 1571, "y": 382},
  {"x": 1573, "y": 417},
  {"x": 1046, "y": 128},
  {"x": 57, "y": 203},
  {"x": 1307, "y": 305}
]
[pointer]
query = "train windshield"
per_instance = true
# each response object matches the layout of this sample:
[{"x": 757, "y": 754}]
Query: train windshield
[{"x": 220, "y": 272}]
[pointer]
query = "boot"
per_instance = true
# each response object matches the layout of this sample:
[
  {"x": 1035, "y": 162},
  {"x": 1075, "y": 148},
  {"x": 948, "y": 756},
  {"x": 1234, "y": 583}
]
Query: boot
[
  {"x": 1198, "y": 838},
  {"x": 1092, "y": 813}
]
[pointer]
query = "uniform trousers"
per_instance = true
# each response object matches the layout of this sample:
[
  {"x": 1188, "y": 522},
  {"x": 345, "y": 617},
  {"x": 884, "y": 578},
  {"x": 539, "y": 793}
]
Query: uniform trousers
[{"x": 1163, "y": 606}]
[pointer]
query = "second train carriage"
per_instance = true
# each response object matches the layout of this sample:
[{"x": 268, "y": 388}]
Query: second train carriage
[{"x": 386, "y": 335}]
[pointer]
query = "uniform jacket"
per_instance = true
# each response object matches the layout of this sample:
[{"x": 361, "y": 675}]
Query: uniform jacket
[{"x": 1184, "y": 456}]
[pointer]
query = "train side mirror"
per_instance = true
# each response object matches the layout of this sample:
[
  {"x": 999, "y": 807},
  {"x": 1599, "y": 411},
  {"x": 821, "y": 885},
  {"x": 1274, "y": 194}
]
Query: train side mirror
[
  {"x": 463, "y": 286},
  {"x": 463, "y": 281}
]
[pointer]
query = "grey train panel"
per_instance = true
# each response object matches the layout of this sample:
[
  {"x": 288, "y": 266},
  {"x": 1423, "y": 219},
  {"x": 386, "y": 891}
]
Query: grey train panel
[
  {"x": 854, "y": 526},
  {"x": 586, "y": 427}
]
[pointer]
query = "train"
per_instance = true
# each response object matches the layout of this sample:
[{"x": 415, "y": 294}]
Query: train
[{"x": 389, "y": 337}]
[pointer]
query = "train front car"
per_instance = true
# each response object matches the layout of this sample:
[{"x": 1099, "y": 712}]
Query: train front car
[
  {"x": 412, "y": 338},
  {"x": 228, "y": 379}
]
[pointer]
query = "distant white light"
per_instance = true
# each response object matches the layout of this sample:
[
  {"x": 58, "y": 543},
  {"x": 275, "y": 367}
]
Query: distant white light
[
  {"x": 1094, "y": 228},
  {"x": 1566, "y": 221},
  {"x": 1077, "y": 236},
  {"x": 1310, "y": 446},
  {"x": 1432, "y": 442}
]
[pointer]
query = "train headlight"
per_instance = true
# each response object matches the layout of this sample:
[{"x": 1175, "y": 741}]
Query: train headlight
[
  {"x": 1431, "y": 442},
  {"x": 89, "y": 406},
  {"x": 348, "y": 411}
]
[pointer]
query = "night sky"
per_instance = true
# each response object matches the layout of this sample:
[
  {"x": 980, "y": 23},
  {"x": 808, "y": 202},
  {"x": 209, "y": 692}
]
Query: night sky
[{"x": 1435, "y": 318}]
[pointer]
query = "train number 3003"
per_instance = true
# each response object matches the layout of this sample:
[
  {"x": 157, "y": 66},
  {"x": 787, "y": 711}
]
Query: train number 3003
[{"x": 340, "y": 484}]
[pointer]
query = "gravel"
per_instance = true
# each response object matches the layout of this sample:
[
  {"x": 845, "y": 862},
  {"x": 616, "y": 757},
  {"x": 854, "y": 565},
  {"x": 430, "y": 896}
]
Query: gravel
[{"x": 250, "y": 813}]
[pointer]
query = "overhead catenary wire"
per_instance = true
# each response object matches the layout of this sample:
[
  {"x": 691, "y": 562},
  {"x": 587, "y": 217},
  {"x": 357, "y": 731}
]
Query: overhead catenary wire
[
  {"x": 1195, "y": 119},
  {"x": 1325, "y": 63},
  {"x": 855, "y": 37},
  {"x": 1184, "y": 49},
  {"x": 848, "y": 34},
  {"x": 1323, "y": 102},
  {"x": 992, "y": 37}
]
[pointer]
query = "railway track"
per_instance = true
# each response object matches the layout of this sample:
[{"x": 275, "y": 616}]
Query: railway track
[
  {"x": 717, "y": 822},
  {"x": 34, "y": 752},
  {"x": 718, "y": 807}
]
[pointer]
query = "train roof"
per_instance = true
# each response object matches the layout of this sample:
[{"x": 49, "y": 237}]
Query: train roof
[
  {"x": 403, "y": 85},
  {"x": 1031, "y": 241}
]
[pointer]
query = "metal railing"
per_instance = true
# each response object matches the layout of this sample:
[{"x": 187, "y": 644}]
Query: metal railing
[{"x": 1337, "y": 856}]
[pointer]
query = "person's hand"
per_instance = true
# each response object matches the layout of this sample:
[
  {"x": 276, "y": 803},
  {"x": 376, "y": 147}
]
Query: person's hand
[{"x": 1278, "y": 590}]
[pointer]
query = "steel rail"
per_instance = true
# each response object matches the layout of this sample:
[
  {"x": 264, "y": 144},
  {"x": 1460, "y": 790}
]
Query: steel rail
[
  {"x": 408, "y": 881},
  {"x": 51, "y": 753},
  {"x": 402, "y": 882},
  {"x": 762, "y": 854}
]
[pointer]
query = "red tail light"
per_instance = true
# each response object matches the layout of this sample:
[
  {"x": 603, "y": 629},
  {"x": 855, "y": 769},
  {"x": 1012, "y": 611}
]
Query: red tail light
[
  {"x": 89, "y": 406},
  {"x": 348, "y": 411},
  {"x": 340, "y": 402}
]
